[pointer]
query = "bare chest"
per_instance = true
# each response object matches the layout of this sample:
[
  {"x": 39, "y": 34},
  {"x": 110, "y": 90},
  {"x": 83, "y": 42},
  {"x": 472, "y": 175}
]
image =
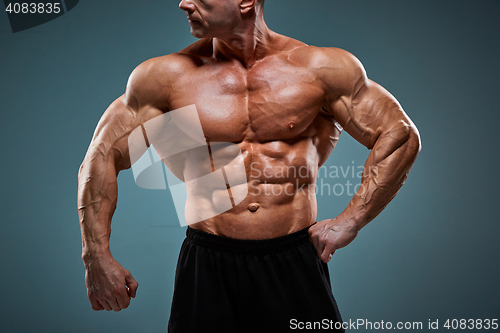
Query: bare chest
[{"x": 272, "y": 101}]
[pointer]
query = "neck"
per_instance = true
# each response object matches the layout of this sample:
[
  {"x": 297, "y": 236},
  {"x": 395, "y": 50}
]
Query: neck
[{"x": 248, "y": 42}]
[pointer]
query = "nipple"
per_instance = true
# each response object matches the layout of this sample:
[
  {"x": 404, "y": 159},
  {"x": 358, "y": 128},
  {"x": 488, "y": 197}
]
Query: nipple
[
  {"x": 291, "y": 125},
  {"x": 253, "y": 207}
]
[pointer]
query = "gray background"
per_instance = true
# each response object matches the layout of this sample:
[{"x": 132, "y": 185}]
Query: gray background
[{"x": 432, "y": 254}]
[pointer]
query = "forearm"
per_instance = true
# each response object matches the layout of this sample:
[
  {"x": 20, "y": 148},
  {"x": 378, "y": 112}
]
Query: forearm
[
  {"x": 385, "y": 171},
  {"x": 97, "y": 197}
]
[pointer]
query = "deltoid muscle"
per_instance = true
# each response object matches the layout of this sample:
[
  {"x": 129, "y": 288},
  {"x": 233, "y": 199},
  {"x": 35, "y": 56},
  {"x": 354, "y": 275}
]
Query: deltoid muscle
[{"x": 202, "y": 176}]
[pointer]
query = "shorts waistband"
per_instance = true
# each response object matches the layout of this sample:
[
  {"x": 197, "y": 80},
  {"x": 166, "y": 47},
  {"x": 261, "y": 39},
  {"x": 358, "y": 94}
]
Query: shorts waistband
[{"x": 247, "y": 246}]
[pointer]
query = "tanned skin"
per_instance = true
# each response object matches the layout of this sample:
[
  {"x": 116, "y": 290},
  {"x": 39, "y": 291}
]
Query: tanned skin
[{"x": 280, "y": 101}]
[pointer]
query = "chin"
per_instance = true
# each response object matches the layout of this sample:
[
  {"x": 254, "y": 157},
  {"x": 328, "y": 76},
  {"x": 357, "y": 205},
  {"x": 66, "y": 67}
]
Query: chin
[{"x": 197, "y": 33}]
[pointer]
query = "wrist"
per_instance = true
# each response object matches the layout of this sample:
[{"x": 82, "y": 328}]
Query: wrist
[
  {"x": 94, "y": 252},
  {"x": 354, "y": 222}
]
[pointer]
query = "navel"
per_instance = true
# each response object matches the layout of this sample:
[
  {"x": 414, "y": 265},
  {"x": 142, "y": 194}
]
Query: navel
[{"x": 253, "y": 207}]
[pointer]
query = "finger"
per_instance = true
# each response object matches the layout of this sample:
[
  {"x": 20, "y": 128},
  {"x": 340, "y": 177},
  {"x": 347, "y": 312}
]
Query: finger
[
  {"x": 123, "y": 299},
  {"x": 319, "y": 246},
  {"x": 327, "y": 255},
  {"x": 313, "y": 236},
  {"x": 113, "y": 303},
  {"x": 132, "y": 285},
  {"x": 328, "y": 251},
  {"x": 96, "y": 305},
  {"x": 105, "y": 305}
]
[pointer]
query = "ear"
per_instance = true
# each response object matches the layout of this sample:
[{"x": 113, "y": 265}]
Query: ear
[{"x": 247, "y": 5}]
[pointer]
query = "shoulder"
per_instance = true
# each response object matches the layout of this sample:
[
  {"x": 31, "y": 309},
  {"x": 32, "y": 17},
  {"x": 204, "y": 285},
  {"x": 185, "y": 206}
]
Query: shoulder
[
  {"x": 336, "y": 68},
  {"x": 149, "y": 82},
  {"x": 330, "y": 57},
  {"x": 171, "y": 64},
  {"x": 159, "y": 71}
]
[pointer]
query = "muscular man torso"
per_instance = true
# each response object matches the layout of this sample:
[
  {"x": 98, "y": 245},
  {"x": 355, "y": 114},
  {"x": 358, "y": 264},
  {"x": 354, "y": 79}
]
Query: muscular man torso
[
  {"x": 274, "y": 113},
  {"x": 277, "y": 104}
]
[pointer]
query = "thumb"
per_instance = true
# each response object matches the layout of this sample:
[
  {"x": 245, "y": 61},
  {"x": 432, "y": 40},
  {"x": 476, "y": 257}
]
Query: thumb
[{"x": 131, "y": 285}]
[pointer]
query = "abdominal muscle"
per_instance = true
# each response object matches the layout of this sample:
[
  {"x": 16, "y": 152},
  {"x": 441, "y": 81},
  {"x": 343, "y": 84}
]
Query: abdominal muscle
[
  {"x": 278, "y": 197},
  {"x": 269, "y": 212}
]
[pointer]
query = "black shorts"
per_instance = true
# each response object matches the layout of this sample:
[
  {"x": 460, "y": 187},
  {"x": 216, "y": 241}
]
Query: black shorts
[{"x": 237, "y": 286}]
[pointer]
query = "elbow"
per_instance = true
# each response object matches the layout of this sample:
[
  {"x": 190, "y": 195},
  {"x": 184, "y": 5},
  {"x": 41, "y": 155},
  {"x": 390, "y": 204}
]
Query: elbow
[
  {"x": 83, "y": 169},
  {"x": 414, "y": 141},
  {"x": 407, "y": 135},
  {"x": 80, "y": 169},
  {"x": 87, "y": 169}
]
